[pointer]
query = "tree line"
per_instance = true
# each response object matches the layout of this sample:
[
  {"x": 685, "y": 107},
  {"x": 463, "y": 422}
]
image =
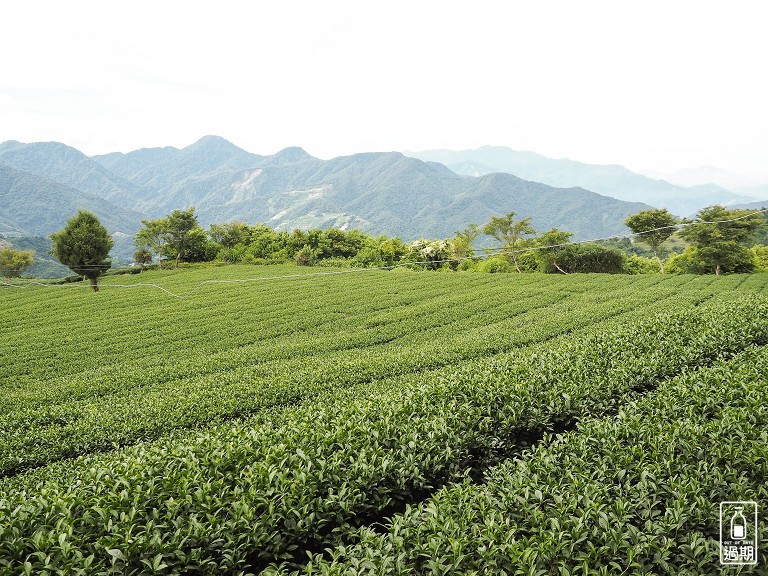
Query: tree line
[
  {"x": 716, "y": 241},
  {"x": 179, "y": 238}
]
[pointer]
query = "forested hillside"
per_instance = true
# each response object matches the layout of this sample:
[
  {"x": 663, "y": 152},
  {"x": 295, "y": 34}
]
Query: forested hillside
[{"x": 379, "y": 193}]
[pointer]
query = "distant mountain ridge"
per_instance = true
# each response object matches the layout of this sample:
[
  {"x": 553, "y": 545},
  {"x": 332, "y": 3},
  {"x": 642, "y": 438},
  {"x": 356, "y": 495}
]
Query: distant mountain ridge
[
  {"x": 31, "y": 205},
  {"x": 759, "y": 205},
  {"x": 385, "y": 192},
  {"x": 389, "y": 193},
  {"x": 690, "y": 177},
  {"x": 157, "y": 172},
  {"x": 756, "y": 192},
  {"x": 68, "y": 166},
  {"x": 610, "y": 180},
  {"x": 379, "y": 193}
]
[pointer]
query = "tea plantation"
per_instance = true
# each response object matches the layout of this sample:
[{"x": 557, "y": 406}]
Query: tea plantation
[{"x": 249, "y": 420}]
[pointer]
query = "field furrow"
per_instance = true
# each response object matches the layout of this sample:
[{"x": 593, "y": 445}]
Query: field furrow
[
  {"x": 273, "y": 484},
  {"x": 122, "y": 407},
  {"x": 637, "y": 493}
]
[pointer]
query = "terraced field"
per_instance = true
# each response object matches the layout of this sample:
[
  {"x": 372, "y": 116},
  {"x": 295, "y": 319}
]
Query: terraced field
[{"x": 379, "y": 423}]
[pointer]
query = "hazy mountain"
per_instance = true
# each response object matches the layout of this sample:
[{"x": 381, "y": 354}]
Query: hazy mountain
[
  {"x": 66, "y": 165},
  {"x": 759, "y": 205},
  {"x": 10, "y": 146},
  {"x": 385, "y": 193},
  {"x": 172, "y": 177},
  {"x": 707, "y": 175},
  {"x": 756, "y": 192},
  {"x": 132, "y": 164},
  {"x": 289, "y": 155},
  {"x": 210, "y": 154},
  {"x": 393, "y": 194},
  {"x": 159, "y": 172},
  {"x": 35, "y": 206},
  {"x": 610, "y": 180}
]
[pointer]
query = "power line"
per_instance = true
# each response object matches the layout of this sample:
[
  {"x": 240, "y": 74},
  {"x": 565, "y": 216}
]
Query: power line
[{"x": 489, "y": 253}]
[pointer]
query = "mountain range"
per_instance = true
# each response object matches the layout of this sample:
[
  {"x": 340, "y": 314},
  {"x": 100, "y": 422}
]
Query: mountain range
[
  {"x": 386, "y": 192},
  {"x": 611, "y": 180},
  {"x": 433, "y": 196},
  {"x": 753, "y": 205},
  {"x": 35, "y": 205},
  {"x": 688, "y": 177}
]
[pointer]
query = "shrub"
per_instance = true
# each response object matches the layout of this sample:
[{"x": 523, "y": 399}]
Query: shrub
[
  {"x": 641, "y": 265},
  {"x": 494, "y": 266},
  {"x": 306, "y": 257}
]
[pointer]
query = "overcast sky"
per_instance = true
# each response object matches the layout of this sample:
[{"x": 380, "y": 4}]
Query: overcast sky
[{"x": 650, "y": 85}]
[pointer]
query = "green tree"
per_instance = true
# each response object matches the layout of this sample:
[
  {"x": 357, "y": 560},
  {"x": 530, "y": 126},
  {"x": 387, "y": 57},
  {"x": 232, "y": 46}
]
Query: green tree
[
  {"x": 296, "y": 241},
  {"x": 142, "y": 257},
  {"x": 341, "y": 244},
  {"x": 307, "y": 256},
  {"x": 760, "y": 255},
  {"x": 392, "y": 250},
  {"x": 230, "y": 234},
  {"x": 654, "y": 228},
  {"x": 551, "y": 248},
  {"x": 462, "y": 244},
  {"x": 761, "y": 236},
  {"x": 509, "y": 233},
  {"x": 176, "y": 236},
  {"x": 368, "y": 257},
  {"x": 198, "y": 248},
  {"x": 687, "y": 262},
  {"x": 719, "y": 237},
  {"x": 83, "y": 246},
  {"x": 181, "y": 232},
  {"x": 13, "y": 263},
  {"x": 151, "y": 238},
  {"x": 266, "y": 243}
]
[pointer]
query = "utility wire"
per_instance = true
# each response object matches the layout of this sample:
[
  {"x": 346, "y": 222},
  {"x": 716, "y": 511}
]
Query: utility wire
[
  {"x": 500, "y": 250},
  {"x": 489, "y": 253}
]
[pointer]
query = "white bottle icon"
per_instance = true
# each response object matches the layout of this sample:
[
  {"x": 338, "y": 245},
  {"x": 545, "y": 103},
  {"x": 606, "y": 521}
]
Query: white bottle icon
[{"x": 738, "y": 525}]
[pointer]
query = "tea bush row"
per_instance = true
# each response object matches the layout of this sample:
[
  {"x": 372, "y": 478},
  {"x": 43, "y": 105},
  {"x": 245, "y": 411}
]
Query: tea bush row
[
  {"x": 119, "y": 407},
  {"x": 634, "y": 494},
  {"x": 251, "y": 493}
]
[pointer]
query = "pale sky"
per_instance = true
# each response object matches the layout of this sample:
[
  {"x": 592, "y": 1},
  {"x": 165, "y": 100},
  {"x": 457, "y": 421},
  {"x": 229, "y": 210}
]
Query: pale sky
[{"x": 648, "y": 84}]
